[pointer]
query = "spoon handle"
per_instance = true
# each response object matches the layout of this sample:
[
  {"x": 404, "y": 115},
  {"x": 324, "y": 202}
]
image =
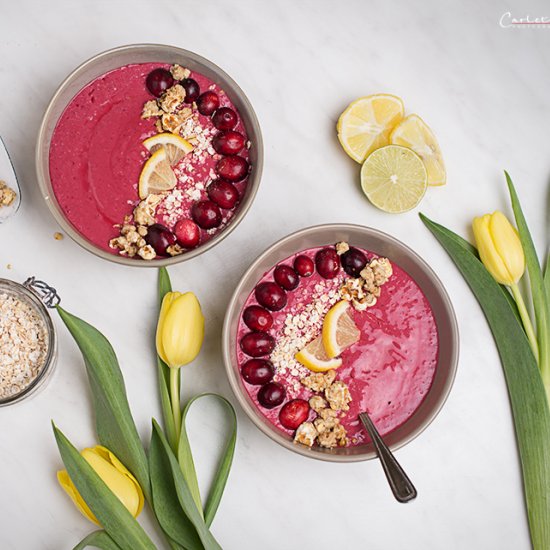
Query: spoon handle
[{"x": 400, "y": 484}]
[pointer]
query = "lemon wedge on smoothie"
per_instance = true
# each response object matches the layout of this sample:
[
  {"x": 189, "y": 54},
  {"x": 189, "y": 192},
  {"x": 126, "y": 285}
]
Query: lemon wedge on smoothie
[
  {"x": 366, "y": 124},
  {"x": 315, "y": 358},
  {"x": 175, "y": 146},
  {"x": 339, "y": 329},
  {"x": 414, "y": 133},
  {"x": 157, "y": 175},
  {"x": 394, "y": 178}
]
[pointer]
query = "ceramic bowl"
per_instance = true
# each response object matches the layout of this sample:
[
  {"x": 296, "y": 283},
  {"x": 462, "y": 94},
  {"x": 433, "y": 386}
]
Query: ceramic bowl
[
  {"x": 383, "y": 245},
  {"x": 145, "y": 53}
]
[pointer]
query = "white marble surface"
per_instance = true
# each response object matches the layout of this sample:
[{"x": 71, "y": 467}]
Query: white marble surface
[{"x": 484, "y": 90}]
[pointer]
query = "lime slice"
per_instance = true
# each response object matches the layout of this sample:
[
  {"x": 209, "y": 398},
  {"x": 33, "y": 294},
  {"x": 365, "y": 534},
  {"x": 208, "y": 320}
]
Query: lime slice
[
  {"x": 366, "y": 124},
  {"x": 394, "y": 178},
  {"x": 414, "y": 133}
]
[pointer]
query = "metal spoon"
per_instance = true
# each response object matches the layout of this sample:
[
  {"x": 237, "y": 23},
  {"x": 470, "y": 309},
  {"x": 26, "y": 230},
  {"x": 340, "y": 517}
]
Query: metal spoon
[
  {"x": 402, "y": 488},
  {"x": 7, "y": 174}
]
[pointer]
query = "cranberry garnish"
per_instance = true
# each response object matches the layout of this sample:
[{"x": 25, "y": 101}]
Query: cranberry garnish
[
  {"x": 327, "y": 263},
  {"x": 271, "y": 395},
  {"x": 228, "y": 143},
  {"x": 160, "y": 238},
  {"x": 187, "y": 233},
  {"x": 158, "y": 81},
  {"x": 206, "y": 214},
  {"x": 353, "y": 262},
  {"x": 257, "y": 318},
  {"x": 294, "y": 413},
  {"x": 232, "y": 168},
  {"x": 257, "y": 372},
  {"x": 223, "y": 193},
  {"x": 191, "y": 88},
  {"x": 208, "y": 102},
  {"x": 271, "y": 296},
  {"x": 304, "y": 266},
  {"x": 286, "y": 277},
  {"x": 224, "y": 119},
  {"x": 257, "y": 344}
]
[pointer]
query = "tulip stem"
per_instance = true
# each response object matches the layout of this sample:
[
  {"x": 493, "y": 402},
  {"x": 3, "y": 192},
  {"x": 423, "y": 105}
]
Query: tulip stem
[
  {"x": 526, "y": 320},
  {"x": 175, "y": 401}
]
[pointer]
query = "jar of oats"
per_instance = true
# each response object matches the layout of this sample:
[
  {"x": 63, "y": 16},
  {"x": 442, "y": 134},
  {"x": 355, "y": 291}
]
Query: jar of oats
[{"x": 28, "y": 341}]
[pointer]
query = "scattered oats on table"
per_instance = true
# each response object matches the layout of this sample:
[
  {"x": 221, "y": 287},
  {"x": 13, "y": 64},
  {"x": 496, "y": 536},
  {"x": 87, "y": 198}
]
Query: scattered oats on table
[{"x": 23, "y": 345}]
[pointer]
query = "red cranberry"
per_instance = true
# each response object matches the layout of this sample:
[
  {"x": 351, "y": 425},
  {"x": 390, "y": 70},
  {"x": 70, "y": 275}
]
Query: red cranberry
[
  {"x": 206, "y": 214},
  {"x": 187, "y": 233},
  {"x": 294, "y": 413},
  {"x": 158, "y": 81},
  {"x": 225, "y": 119},
  {"x": 232, "y": 168},
  {"x": 286, "y": 277},
  {"x": 257, "y": 344},
  {"x": 223, "y": 193},
  {"x": 160, "y": 238},
  {"x": 258, "y": 372},
  {"x": 208, "y": 102},
  {"x": 271, "y": 296},
  {"x": 191, "y": 88},
  {"x": 257, "y": 318},
  {"x": 228, "y": 143},
  {"x": 304, "y": 266},
  {"x": 353, "y": 262},
  {"x": 327, "y": 263},
  {"x": 271, "y": 395}
]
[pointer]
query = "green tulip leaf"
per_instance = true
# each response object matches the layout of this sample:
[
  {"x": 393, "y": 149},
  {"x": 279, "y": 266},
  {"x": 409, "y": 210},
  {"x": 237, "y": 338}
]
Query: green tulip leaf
[
  {"x": 547, "y": 278},
  {"x": 97, "y": 539},
  {"x": 115, "y": 426},
  {"x": 165, "y": 286},
  {"x": 165, "y": 499},
  {"x": 525, "y": 388},
  {"x": 541, "y": 304},
  {"x": 183, "y": 492},
  {"x": 113, "y": 516},
  {"x": 185, "y": 458}
]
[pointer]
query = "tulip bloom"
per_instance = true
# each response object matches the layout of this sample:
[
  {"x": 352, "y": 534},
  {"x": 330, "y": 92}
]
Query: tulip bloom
[
  {"x": 500, "y": 250},
  {"x": 180, "y": 332},
  {"x": 114, "y": 474},
  {"x": 180, "y": 329}
]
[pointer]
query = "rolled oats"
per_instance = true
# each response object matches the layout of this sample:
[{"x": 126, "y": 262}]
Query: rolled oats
[{"x": 7, "y": 194}]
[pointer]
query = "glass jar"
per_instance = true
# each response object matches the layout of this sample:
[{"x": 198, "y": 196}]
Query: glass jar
[{"x": 37, "y": 296}]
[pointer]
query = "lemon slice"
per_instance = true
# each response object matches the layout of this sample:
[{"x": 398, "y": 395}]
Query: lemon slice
[
  {"x": 367, "y": 122},
  {"x": 176, "y": 147},
  {"x": 394, "y": 178},
  {"x": 157, "y": 175},
  {"x": 414, "y": 133},
  {"x": 315, "y": 358},
  {"x": 339, "y": 330}
]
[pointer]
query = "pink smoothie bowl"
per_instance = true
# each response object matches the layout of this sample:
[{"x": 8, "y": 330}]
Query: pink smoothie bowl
[
  {"x": 142, "y": 54},
  {"x": 380, "y": 244}
]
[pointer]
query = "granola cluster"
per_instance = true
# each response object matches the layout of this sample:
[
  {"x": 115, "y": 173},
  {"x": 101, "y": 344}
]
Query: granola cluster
[
  {"x": 131, "y": 242},
  {"x": 332, "y": 398},
  {"x": 7, "y": 194},
  {"x": 23, "y": 345},
  {"x": 364, "y": 291}
]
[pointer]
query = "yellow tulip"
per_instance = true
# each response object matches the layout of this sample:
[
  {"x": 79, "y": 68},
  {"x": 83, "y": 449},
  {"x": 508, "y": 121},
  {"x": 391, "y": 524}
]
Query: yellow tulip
[
  {"x": 499, "y": 248},
  {"x": 180, "y": 329},
  {"x": 114, "y": 474}
]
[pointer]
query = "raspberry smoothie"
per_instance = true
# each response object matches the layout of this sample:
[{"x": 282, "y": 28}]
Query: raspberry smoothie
[
  {"x": 97, "y": 159},
  {"x": 387, "y": 371}
]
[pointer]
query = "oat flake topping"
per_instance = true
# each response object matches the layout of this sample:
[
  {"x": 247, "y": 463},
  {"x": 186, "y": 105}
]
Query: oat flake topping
[{"x": 23, "y": 345}]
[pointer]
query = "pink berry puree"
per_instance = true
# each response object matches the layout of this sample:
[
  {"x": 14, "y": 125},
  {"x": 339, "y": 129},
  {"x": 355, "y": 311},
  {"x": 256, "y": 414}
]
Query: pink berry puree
[
  {"x": 388, "y": 372},
  {"x": 96, "y": 156}
]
